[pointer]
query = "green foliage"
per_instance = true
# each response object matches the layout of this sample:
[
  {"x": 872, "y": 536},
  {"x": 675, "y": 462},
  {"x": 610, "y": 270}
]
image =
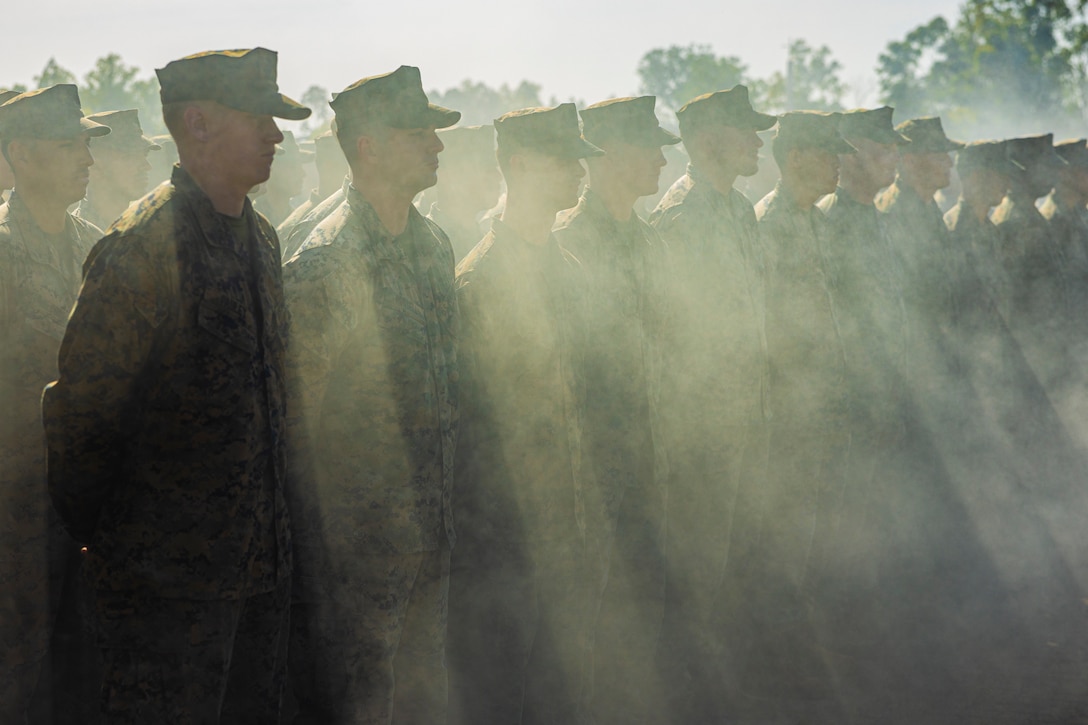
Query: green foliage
[
  {"x": 52, "y": 74},
  {"x": 481, "y": 104},
  {"x": 812, "y": 81},
  {"x": 111, "y": 85},
  {"x": 677, "y": 74},
  {"x": 1013, "y": 60}
]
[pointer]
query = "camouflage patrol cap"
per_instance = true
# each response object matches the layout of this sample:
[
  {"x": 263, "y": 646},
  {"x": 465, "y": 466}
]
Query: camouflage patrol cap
[
  {"x": 244, "y": 80},
  {"x": 630, "y": 120},
  {"x": 395, "y": 99},
  {"x": 993, "y": 155},
  {"x": 552, "y": 131},
  {"x": 289, "y": 147},
  {"x": 468, "y": 141},
  {"x": 1074, "y": 151},
  {"x": 6, "y": 95},
  {"x": 926, "y": 136},
  {"x": 47, "y": 113},
  {"x": 812, "y": 130},
  {"x": 874, "y": 124},
  {"x": 723, "y": 108},
  {"x": 127, "y": 133},
  {"x": 1038, "y": 151}
]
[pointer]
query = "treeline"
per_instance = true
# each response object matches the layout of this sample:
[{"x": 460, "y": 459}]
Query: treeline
[{"x": 999, "y": 68}]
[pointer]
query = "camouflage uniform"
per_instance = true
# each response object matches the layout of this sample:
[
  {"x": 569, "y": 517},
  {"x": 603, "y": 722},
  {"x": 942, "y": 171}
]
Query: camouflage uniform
[
  {"x": 374, "y": 424},
  {"x": 39, "y": 278},
  {"x": 625, "y": 310},
  {"x": 166, "y": 456},
  {"x": 462, "y": 238},
  {"x": 297, "y": 227},
  {"x": 716, "y": 428},
  {"x": 518, "y": 581},
  {"x": 809, "y": 405},
  {"x": 970, "y": 382}
]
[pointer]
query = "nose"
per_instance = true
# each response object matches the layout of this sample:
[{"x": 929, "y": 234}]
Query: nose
[
  {"x": 272, "y": 132},
  {"x": 757, "y": 141},
  {"x": 660, "y": 159}
]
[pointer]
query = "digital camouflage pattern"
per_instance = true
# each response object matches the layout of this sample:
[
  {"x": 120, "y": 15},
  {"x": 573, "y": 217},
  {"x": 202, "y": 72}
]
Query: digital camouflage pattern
[
  {"x": 39, "y": 279},
  {"x": 715, "y": 429},
  {"x": 297, "y": 227},
  {"x": 520, "y": 569},
  {"x": 166, "y": 425},
  {"x": 970, "y": 381},
  {"x": 462, "y": 238},
  {"x": 626, "y": 318},
  {"x": 809, "y": 405},
  {"x": 375, "y": 390},
  {"x": 186, "y": 661}
]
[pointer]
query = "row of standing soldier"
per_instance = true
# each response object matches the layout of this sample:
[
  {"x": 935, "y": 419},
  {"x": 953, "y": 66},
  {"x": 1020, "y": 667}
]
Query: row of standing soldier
[{"x": 790, "y": 463}]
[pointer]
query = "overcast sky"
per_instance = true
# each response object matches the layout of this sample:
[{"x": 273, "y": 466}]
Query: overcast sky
[{"x": 584, "y": 50}]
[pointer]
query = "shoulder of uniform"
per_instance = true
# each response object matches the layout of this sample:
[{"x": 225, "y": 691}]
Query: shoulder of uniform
[
  {"x": 147, "y": 210},
  {"x": 330, "y": 230},
  {"x": 477, "y": 259}
]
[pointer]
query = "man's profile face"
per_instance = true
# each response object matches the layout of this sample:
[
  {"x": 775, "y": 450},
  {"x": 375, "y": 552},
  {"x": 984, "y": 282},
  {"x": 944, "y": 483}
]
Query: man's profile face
[
  {"x": 126, "y": 169},
  {"x": 817, "y": 168},
  {"x": 877, "y": 161},
  {"x": 555, "y": 179},
  {"x": 638, "y": 166},
  {"x": 408, "y": 157},
  {"x": 57, "y": 167},
  {"x": 734, "y": 151},
  {"x": 991, "y": 184},
  {"x": 931, "y": 170},
  {"x": 243, "y": 144}
]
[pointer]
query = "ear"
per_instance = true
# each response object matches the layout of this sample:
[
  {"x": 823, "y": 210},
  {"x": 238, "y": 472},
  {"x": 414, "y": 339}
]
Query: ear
[
  {"x": 19, "y": 151},
  {"x": 197, "y": 123},
  {"x": 364, "y": 146}
]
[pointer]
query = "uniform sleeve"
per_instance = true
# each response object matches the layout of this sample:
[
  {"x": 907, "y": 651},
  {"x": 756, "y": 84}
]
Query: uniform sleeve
[
  {"x": 88, "y": 410},
  {"x": 323, "y": 309}
]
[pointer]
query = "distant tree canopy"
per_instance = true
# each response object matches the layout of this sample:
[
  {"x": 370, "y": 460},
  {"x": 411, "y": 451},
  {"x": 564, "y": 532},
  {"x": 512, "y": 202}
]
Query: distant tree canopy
[
  {"x": 480, "y": 104},
  {"x": 811, "y": 81},
  {"x": 1015, "y": 60},
  {"x": 677, "y": 74},
  {"x": 110, "y": 86}
]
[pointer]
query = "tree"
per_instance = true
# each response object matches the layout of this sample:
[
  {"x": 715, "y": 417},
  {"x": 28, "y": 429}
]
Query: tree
[
  {"x": 811, "y": 81},
  {"x": 481, "y": 104},
  {"x": 677, "y": 74},
  {"x": 1016, "y": 61},
  {"x": 111, "y": 85},
  {"x": 316, "y": 98},
  {"x": 53, "y": 74}
]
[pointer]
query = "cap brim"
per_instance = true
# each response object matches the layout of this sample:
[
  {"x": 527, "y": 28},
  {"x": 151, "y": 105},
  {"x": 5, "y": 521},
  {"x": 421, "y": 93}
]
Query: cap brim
[
  {"x": 582, "y": 149},
  {"x": 665, "y": 137},
  {"x": 761, "y": 121},
  {"x": 93, "y": 128},
  {"x": 150, "y": 145},
  {"x": 283, "y": 107}
]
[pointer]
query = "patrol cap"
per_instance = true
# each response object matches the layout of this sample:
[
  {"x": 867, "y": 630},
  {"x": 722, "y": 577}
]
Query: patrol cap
[
  {"x": 812, "y": 130},
  {"x": 630, "y": 120},
  {"x": 469, "y": 142},
  {"x": 926, "y": 135},
  {"x": 127, "y": 133},
  {"x": 6, "y": 95},
  {"x": 1038, "y": 151},
  {"x": 552, "y": 131},
  {"x": 723, "y": 108},
  {"x": 47, "y": 113},
  {"x": 289, "y": 147},
  {"x": 244, "y": 80},
  {"x": 993, "y": 155},
  {"x": 874, "y": 124},
  {"x": 1074, "y": 151},
  {"x": 394, "y": 99}
]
